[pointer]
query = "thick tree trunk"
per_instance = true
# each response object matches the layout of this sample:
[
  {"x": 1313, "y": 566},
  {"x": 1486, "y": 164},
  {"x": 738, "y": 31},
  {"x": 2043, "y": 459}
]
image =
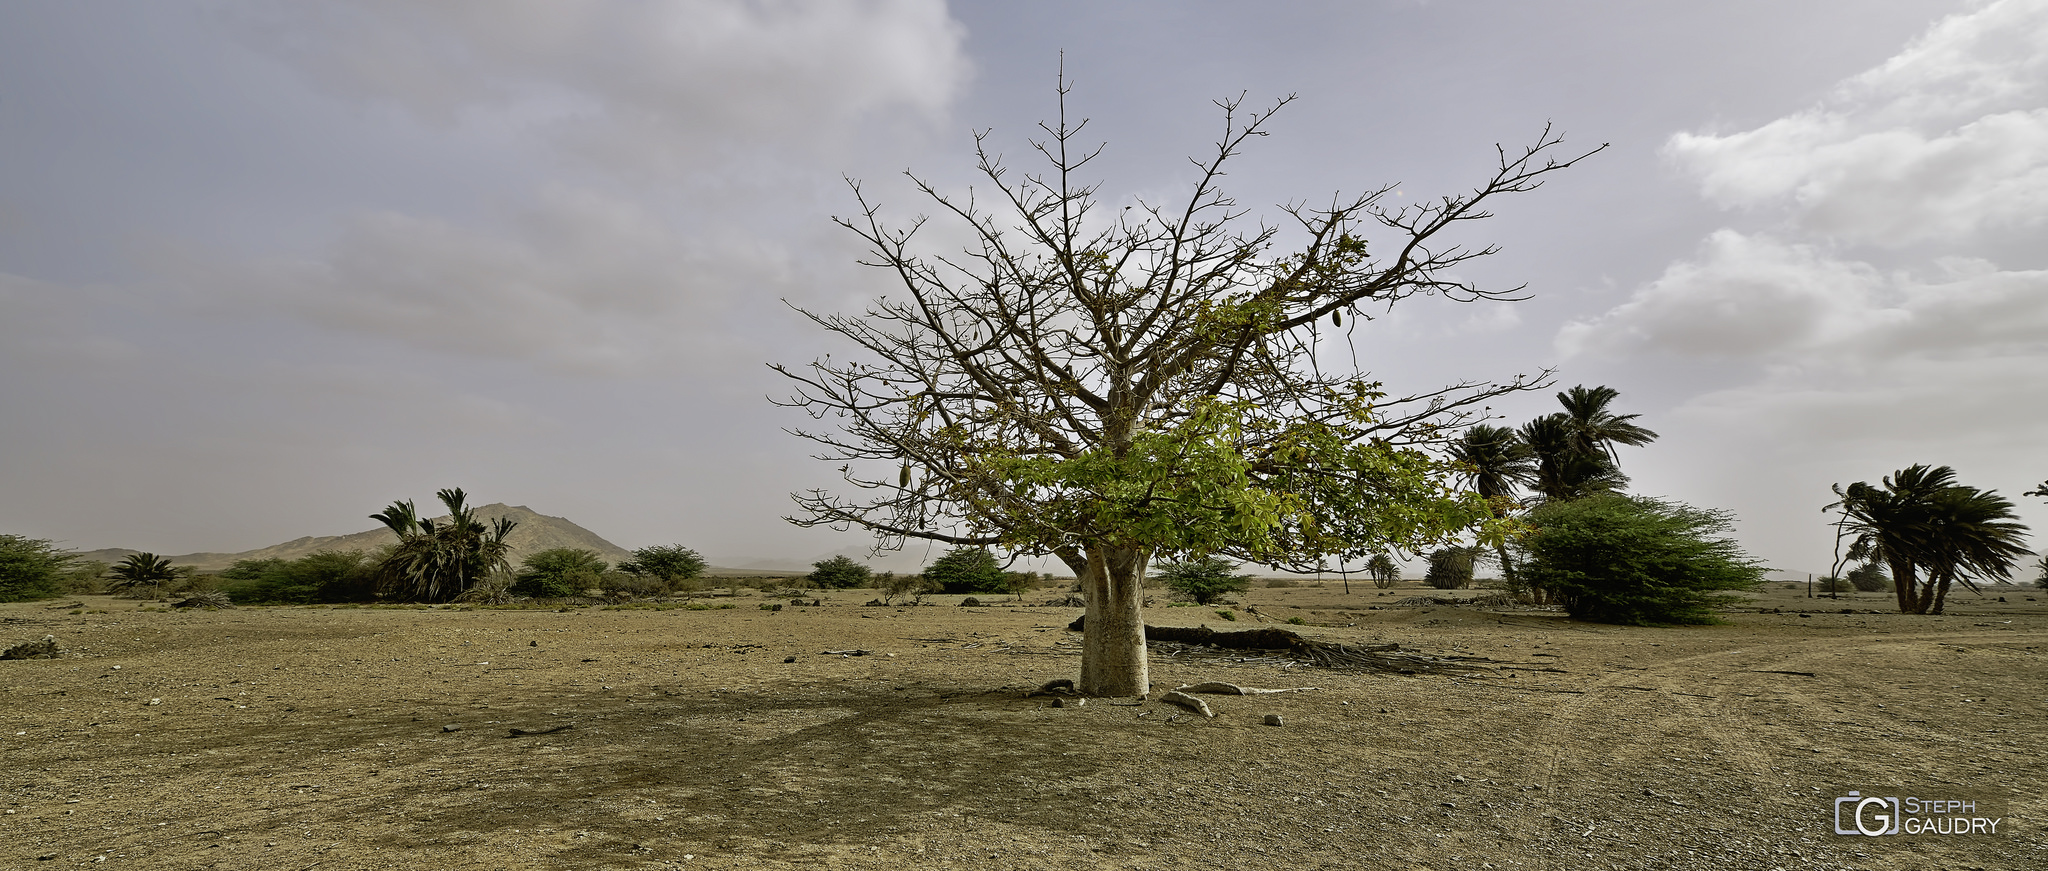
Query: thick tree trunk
[
  {"x": 1113, "y": 660},
  {"x": 1906, "y": 583},
  {"x": 1940, "y": 590}
]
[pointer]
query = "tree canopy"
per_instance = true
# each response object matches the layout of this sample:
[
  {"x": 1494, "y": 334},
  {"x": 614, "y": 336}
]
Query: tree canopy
[
  {"x": 1919, "y": 519},
  {"x": 1104, "y": 384},
  {"x": 839, "y": 573},
  {"x": 31, "y": 568},
  {"x": 670, "y": 562},
  {"x": 966, "y": 569},
  {"x": 438, "y": 561}
]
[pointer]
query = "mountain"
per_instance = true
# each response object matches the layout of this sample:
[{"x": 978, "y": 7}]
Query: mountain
[{"x": 535, "y": 532}]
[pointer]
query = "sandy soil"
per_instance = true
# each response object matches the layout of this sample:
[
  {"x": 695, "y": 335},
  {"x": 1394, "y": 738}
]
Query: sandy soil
[{"x": 318, "y": 738}]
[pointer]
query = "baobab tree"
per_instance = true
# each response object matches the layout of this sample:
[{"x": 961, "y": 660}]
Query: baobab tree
[{"x": 1108, "y": 385}]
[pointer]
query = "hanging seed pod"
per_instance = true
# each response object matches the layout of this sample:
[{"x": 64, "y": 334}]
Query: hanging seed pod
[
  {"x": 1336, "y": 317},
  {"x": 903, "y": 480}
]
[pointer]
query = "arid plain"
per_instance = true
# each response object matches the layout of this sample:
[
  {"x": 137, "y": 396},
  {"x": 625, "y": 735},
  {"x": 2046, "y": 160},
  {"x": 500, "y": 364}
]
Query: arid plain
[{"x": 369, "y": 738}]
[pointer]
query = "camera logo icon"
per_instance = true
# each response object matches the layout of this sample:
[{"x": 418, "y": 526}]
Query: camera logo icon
[{"x": 1866, "y": 815}]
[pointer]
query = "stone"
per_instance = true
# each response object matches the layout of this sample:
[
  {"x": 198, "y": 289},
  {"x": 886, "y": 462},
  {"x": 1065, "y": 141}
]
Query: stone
[
  {"x": 1273, "y": 720},
  {"x": 451, "y": 727},
  {"x": 44, "y": 649}
]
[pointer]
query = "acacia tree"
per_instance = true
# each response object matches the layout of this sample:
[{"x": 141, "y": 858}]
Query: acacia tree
[{"x": 1105, "y": 385}]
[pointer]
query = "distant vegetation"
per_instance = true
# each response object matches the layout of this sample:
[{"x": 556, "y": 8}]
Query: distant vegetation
[
  {"x": 967, "y": 570},
  {"x": 31, "y": 568},
  {"x": 436, "y": 562},
  {"x": 320, "y": 577},
  {"x": 144, "y": 576},
  {"x": 1203, "y": 579},
  {"x": 674, "y": 565},
  {"x": 558, "y": 572},
  {"x": 839, "y": 573}
]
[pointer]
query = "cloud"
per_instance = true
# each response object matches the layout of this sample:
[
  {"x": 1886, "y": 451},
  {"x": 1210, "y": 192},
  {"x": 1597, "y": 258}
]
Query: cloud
[
  {"x": 1758, "y": 298},
  {"x": 637, "y": 84},
  {"x": 1945, "y": 140},
  {"x": 580, "y": 282}
]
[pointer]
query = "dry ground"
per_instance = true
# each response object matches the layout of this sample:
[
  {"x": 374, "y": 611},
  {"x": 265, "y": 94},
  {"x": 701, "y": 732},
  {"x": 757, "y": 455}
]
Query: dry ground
[{"x": 313, "y": 738}]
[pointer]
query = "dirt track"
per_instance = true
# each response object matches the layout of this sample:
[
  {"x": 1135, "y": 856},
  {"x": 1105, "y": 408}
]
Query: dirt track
[{"x": 307, "y": 738}]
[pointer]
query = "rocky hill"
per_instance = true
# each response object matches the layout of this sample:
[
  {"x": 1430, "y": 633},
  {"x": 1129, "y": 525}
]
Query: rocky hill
[{"x": 535, "y": 532}]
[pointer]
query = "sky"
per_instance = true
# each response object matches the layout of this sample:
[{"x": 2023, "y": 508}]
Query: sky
[{"x": 267, "y": 267}]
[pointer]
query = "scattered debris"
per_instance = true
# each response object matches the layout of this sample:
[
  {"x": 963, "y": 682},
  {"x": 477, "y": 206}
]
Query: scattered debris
[
  {"x": 523, "y": 733},
  {"x": 44, "y": 649},
  {"x": 1220, "y": 688},
  {"x": 844, "y": 652},
  {"x": 205, "y": 599},
  {"x": 1187, "y": 701}
]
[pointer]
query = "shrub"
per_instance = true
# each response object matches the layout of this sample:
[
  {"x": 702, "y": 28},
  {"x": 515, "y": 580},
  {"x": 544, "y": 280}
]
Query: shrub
[
  {"x": 31, "y": 568},
  {"x": 322, "y": 576},
  {"x": 620, "y": 583},
  {"x": 558, "y": 572},
  {"x": 85, "y": 576},
  {"x": 1450, "y": 568},
  {"x": 966, "y": 570},
  {"x": 839, "y": 573},
  {"x": 1634, "y": 560},
  {"x": 1870, "y": 578},
  {"x": 1280, "y": 583},
  {"x": 1832, "y": 584},
  {"x": 893, "y": 585},
  {"x": 1204, "y": 579}
]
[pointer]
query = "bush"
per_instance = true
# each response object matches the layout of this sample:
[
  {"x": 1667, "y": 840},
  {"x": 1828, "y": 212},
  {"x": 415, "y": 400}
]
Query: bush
[
  {"x": 1832, "y": 584},
  {"x": 31, "y": 568},
  {"x": 966, "y": 570},
  {"x": 1450, "y": 568},
  {"x": 1634, "y": 560},
  {"x": 558, "y": 572},
  {"x": 627, "y": 584},
  {"x": 839, "y": 573},
  {"x": 1204, "y": 579},
  {"x": 322, "y": 576},
  {"x": 1870, "y": 578},
  {"x": 893, "y": 585}
]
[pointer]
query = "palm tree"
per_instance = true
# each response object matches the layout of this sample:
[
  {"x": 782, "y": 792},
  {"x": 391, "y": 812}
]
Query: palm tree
[
  {"x": 435, "y": 562},
  {"x": 1975, "y": 536},
  {"x": 139, "y": 570},
  {"x": 1564, "y": 470},
  {"x": 1593, "y": 428},
  {"x": 1498, "y": 462},
  {"x": 1921, "y": 519},
  {"x": 1383, "y": 570}
]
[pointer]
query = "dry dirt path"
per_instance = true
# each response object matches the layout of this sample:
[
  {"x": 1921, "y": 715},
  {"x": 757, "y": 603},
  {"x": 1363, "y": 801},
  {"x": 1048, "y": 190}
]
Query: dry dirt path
[{"x": 313, "y": 739}]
